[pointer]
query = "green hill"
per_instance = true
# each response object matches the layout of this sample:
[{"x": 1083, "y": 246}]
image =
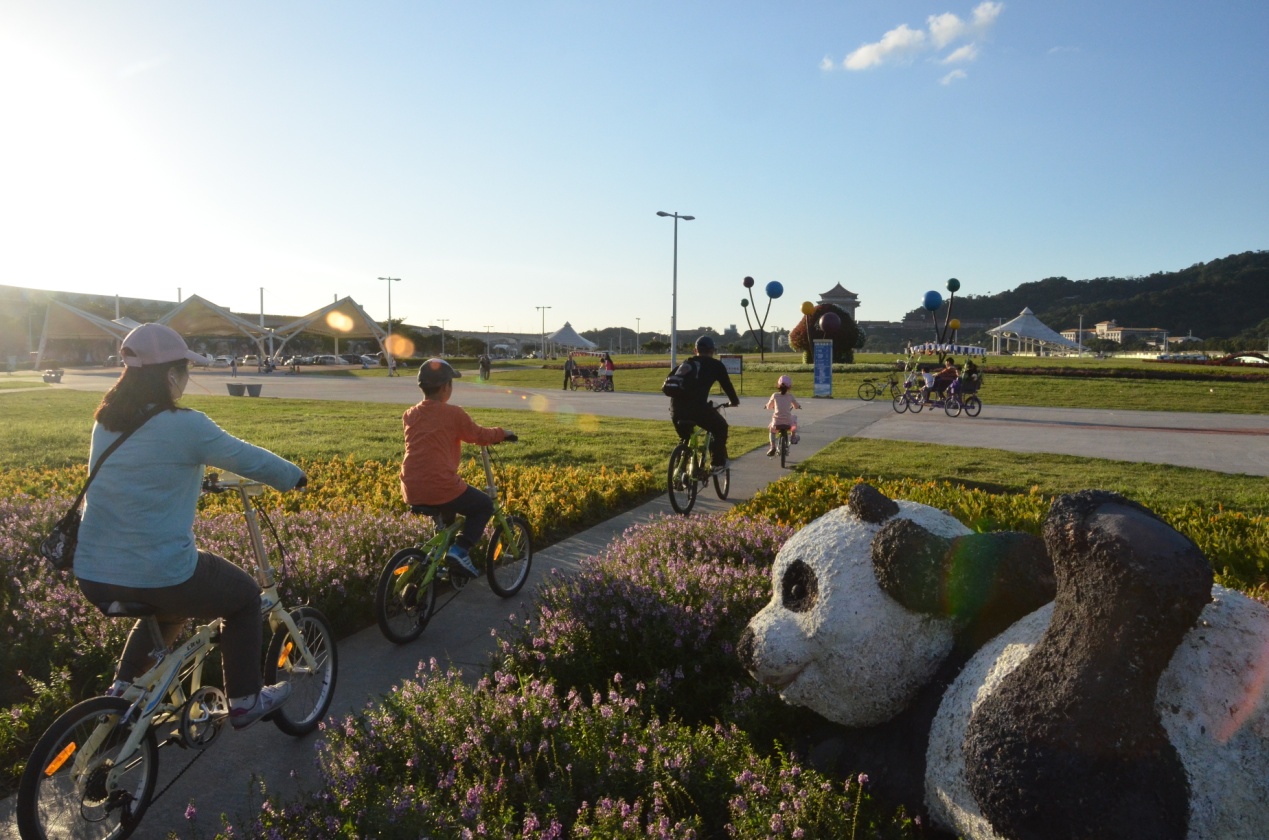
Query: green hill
[{"x": 1225, "y": 300}]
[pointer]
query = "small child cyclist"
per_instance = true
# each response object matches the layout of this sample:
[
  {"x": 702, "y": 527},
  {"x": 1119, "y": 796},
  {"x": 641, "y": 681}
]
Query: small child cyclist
[
  {"x": 783, "y": 403},
  {"x": 435, "y": 431}
]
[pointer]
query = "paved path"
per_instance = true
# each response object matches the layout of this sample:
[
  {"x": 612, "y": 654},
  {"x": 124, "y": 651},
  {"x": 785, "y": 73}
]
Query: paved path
[{"x": 461, "y": 634}]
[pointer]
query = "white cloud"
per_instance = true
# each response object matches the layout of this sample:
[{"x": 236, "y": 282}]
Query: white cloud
[
  {"x": 985, "y": 14},
  {"x": 826, "y": 64},
  {"x": 903, "y": 42},
  {"x": 945, "y": 28},
  {"x": 953, "y": 76},
  {"x": 969, "y": 52},
  {"x": 898, "y": 43}
]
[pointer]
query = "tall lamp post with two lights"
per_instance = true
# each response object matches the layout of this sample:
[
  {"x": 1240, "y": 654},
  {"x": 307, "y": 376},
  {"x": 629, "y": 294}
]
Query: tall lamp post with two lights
[
  {"x": 387, "y": 343},
  {"x": 543, "y": 309},
  {"x": 674, "y": 290}
]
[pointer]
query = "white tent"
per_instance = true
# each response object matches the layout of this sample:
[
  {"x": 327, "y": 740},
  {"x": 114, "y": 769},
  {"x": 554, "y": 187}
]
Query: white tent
[
  {"x": 1027, "y": 334},
  {"x": 566, "y": 336},
  {"x": 342, "y": 319}
]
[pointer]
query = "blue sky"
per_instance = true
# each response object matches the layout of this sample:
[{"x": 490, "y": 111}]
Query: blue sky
[{"x": 500, "y": 156}]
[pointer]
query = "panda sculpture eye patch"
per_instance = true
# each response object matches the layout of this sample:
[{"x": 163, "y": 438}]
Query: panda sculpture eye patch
[{"x": 799, "y": 588}]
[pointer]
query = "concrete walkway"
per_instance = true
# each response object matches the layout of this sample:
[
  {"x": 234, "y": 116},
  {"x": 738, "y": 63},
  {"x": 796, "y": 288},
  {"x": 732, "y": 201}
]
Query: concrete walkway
[{"x": 221, "y": 781}]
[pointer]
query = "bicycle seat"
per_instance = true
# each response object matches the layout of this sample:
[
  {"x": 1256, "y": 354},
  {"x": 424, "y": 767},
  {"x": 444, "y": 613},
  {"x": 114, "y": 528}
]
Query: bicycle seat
[
  {"x": 126, "y": 609},
  {"x": 426, "y": 510}
]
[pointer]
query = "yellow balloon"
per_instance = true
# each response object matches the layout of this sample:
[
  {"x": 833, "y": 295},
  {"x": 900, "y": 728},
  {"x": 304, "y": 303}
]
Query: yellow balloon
[
  {"x": 807, "y": 307},
  {"x": 955, "y": 323}
]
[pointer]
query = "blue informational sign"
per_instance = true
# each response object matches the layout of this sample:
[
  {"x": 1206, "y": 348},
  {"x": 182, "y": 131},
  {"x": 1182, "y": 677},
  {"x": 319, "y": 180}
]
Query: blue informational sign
[{"x": 823, "y": 357}]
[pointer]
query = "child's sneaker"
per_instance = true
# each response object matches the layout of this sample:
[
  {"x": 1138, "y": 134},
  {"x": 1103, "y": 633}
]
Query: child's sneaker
[
  {"x": 117, "y": 688},
  {"x": 270, "y": 699},
  {"x": 460, "y": 558},
  {"x": 794, "y": 438},
  {"x": 770, "y": 452}
]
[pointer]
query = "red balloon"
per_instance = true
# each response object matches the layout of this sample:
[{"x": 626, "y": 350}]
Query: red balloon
[{"x": 830, "y": 322}]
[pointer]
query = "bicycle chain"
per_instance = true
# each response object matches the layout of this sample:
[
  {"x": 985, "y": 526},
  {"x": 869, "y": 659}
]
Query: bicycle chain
[{"x": 177, "y": 777}]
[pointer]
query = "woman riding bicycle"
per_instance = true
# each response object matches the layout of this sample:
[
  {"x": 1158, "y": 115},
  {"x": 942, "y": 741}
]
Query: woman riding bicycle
[{"x": 136, "y": 542}]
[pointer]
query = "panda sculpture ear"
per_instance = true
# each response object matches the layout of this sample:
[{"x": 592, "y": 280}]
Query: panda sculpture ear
[
  {"x": 870, "y": 504},
  {"x": 984, "y": 582}
]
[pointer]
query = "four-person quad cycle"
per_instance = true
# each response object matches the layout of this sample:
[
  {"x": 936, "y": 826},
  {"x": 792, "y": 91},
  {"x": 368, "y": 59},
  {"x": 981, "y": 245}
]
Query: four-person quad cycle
[
  {"x": 588, "y": 372},
  {"x": 954, "y": 395},
  {"x": 93, "y": 772},
  {"x": 405, "y": 599}
]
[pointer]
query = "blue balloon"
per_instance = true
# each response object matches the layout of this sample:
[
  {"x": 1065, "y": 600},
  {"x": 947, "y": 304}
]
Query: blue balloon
[
  {"x": 774, "y": 289},
  {"x": 933, "y": 300}
]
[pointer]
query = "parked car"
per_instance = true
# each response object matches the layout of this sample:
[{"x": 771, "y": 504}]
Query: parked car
[
  {"x": 250, "y": 361},
  {"x": 371, "y": 361},
  {"x": 222, "y": 361},
  {"x": 350, "y": 358},
  {"x": 329, "y": 359}
]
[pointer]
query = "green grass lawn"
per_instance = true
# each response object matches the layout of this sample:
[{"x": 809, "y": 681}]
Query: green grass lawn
[
  {"x": 997, "y": 471},
  {"x": 51, "y": 429}
]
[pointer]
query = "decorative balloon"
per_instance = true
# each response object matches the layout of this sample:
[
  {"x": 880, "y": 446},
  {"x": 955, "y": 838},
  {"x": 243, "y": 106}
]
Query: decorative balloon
[
  {"x": 830, "y": 323},
  {"x": 807, "y": 307},
  {"x": 932, "y": 300},
  {"x": 955, "y": 323},
  {"x": 953, "y": 285},
  {"x": 773, "y": 289}
]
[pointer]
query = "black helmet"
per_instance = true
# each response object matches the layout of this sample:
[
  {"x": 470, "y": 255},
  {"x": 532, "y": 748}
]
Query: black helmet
[
  {"x": 704, "y": 344},
  {"x": 436, "y": 373}
]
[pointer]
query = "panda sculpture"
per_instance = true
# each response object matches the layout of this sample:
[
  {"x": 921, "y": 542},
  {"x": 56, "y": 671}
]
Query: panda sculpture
[{"x": 1093, "y": 683}]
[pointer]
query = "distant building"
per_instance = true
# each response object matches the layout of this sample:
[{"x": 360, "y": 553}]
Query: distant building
[
  {"x": 1111, "y": 331},
  {"x": 842, "y": 297}
]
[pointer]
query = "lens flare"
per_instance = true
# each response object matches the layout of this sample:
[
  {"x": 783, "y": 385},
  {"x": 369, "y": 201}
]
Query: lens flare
[
  {"x": 339, "y": 321},
  {"x": 400, "y": 346}
]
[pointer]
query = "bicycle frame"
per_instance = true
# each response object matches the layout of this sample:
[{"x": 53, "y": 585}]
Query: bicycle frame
[{"x": 165, "y": 680}]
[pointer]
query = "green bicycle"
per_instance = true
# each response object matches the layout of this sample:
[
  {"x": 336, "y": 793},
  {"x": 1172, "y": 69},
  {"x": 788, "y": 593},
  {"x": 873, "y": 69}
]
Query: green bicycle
[
  {"x": 405, "y": 600},
  {"x": 689, "y": 470}
]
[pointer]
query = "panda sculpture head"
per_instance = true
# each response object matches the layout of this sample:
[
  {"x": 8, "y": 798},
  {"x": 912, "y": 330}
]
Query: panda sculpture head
[{"x": 875, "y": 596}]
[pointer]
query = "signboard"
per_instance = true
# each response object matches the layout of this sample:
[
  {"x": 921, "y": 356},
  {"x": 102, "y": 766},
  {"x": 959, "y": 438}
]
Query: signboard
[
  {"x": 734, "y": 362},
  {"x": 823, "y": 359}
]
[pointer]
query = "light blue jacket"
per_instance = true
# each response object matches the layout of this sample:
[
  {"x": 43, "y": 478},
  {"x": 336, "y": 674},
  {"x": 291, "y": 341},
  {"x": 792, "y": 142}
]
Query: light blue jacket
[{"x": 138, "y": 527}]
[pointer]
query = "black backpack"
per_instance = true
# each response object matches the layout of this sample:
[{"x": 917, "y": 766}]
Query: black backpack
[{"x": 684, "y": 381}]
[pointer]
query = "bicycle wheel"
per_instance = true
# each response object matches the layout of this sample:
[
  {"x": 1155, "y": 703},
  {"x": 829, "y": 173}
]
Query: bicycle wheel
[
  {"x": 867, "y": 391},
  {"x": 973, "y": 405},
  {"x": 895, "y": 390},
  {"x": 784, "y": 448},
  {"x": 509, "y": 557},
  {"x": 900, "y": 403},
  {"x": 76, "y": 784},
  {"x": 680, "y": 482},
  {"x": 722, "y": 483},
  {"x": 404, "y": 609},
  {"x": 311, "y": 689},
  {"x": 952, "y": 405}
]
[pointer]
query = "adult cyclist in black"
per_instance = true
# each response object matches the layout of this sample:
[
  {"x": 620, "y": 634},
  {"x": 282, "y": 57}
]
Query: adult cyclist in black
[{"x": 693, "y": 410}]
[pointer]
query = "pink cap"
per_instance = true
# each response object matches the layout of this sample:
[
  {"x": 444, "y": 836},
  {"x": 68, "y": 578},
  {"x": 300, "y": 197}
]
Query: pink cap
[{"x": 156, "y": 344}]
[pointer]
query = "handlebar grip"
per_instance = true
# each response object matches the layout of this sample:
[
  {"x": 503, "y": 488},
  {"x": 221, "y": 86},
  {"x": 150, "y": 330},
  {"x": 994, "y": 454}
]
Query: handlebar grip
[{"x": 511, "y": 437}]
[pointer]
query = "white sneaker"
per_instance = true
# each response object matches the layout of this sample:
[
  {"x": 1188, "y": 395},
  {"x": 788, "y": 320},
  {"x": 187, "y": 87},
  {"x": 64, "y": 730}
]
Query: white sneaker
[{"x": 270, "y": 699}]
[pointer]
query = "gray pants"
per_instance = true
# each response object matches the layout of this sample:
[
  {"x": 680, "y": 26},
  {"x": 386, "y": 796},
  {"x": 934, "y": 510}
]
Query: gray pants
[{"x": 217, "y": 589}]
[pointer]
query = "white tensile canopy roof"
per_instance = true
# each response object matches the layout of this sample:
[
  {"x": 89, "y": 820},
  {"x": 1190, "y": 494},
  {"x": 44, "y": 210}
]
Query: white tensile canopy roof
[
  {"x": 1027, "y": 333},
  {"x": 566, "y": 336},
  {"x": 61, "y": 320},
  {"x": 197, "y": 316}
]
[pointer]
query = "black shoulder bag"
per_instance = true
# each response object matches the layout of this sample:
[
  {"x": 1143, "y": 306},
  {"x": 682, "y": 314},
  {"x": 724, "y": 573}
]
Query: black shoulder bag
[{"x": 58, "y": 548}]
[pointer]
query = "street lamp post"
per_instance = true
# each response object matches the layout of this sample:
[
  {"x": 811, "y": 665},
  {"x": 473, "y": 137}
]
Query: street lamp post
[
  {"x": 442, "y": 321},
  {"x": 543, "y": 309},
  {"x": 488, "y": 352},
  {"x": 637, "y": 336},
  {"x": 387, "y": 343},
  {"x": 674, "y": 290}
]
